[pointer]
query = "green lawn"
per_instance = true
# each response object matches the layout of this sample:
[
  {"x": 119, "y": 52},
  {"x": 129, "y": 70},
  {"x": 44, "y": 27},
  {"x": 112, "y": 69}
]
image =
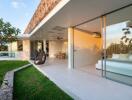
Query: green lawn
[
  {"x": 6, "y": 66},
  {"x": 30, "y": 84}
]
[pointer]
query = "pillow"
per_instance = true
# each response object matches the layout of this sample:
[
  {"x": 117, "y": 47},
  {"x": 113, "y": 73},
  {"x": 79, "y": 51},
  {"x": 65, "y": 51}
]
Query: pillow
[
  {"x": 123, "y": 56},
  {"x": 115, "y": 56},
  {"x": 130, "y": 57}
]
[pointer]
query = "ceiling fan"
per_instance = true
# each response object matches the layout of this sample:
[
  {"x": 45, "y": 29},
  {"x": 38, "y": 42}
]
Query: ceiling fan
[{"x": 59, "y": 38}]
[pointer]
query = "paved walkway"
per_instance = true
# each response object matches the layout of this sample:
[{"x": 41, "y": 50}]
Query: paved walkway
[{"x": 83, "y": 85}]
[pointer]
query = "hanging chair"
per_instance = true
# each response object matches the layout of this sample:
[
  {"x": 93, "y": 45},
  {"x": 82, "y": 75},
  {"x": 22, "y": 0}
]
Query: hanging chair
[{"x": 40, "y": 58}]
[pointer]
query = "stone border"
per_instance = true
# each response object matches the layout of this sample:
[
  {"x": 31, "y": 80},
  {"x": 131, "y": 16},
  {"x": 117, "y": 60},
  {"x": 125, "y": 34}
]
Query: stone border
[{"x": 6, "y": 89}]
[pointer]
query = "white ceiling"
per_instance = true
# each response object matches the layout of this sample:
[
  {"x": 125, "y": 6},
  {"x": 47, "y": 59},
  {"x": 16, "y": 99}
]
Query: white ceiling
[
  {"x": 93, "y": 26},
  {"x": 75, "y": 12}
]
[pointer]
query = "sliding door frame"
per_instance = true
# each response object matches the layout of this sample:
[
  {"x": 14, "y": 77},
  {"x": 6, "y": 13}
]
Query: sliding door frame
[{"x": 103, "y": 22}]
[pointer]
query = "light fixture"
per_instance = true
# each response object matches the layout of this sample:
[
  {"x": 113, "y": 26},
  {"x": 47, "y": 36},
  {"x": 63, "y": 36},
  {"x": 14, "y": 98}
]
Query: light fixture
[{"x": 96, "y": 34}]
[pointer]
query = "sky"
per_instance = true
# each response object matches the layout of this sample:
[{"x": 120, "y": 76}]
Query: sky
[
  {"x": 18, "y": 12},
  {"x": 116, "y": 29}
]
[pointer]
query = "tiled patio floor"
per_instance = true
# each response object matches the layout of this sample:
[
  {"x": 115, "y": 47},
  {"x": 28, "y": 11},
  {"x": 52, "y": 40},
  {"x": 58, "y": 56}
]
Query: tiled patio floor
[{"x": 83, "y": 85}]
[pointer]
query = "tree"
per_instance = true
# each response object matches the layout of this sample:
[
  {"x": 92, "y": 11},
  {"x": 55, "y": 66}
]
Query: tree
[
  {"x": 126, "y": 39},
  {"x": 8, "y": 33}
]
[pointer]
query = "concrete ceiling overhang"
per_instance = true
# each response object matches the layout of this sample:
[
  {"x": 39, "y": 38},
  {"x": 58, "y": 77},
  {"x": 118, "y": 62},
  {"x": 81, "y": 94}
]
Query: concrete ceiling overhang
[{"x": 73, "y": 13}]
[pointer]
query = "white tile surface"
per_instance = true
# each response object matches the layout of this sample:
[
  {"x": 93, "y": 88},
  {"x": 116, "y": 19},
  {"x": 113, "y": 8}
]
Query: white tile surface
[{"x": 83, "y": 85}]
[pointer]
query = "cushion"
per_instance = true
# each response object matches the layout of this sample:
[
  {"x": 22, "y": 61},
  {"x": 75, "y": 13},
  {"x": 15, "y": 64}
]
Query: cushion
[
  {"x": 115, "y": 56},
  {"x": 130, "y": 57},
  {"x": 123, "y": 56}
]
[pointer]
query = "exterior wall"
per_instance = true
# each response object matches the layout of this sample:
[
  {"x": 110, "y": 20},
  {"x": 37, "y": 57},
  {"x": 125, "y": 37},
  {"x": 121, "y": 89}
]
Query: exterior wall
[
  {"x": 19, "y": 55},
  {"x": 86, "y": 49},
  {"x": 12, "y": 46},
  {"x": 56, "y": 47}
]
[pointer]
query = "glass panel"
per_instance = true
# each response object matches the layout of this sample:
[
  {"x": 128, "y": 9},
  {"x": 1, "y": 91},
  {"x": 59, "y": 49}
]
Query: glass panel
[
  {"x": 119, "y": 46},
  {"x": 88, "y": 47}
]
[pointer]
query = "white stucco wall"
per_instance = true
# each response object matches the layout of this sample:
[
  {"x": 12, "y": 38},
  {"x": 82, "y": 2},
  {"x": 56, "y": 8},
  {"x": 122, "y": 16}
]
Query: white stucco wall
[
  {"x": 86, "y": 49},
  {"x": 20, "y": 55},
  {"x": 56, "y": 47},
  {"x": 12, "y": 46}
]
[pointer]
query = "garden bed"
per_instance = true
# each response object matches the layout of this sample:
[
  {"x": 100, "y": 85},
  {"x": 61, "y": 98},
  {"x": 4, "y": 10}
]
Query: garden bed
[
  {"x": 30, "y": 84},
  {"x": 6, "y": 66}
]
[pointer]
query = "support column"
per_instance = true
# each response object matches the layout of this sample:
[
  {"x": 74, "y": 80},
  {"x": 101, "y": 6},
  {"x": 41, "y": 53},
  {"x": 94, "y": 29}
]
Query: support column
[
  {"x": 26, "y": 49},
  {"x": 44, "y": 44},
  {"x": 70, "y": 48},
  {"x": 103, "y": 31}
]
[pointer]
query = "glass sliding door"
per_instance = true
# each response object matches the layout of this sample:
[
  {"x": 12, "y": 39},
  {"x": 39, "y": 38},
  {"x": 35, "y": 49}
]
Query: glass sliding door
[
  {"x": 88, "y": 47},
  {"x": 119, "y": 46}
]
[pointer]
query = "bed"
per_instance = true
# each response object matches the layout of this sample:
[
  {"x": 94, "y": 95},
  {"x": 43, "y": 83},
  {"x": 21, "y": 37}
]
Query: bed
[{"x": 119, "y": 63}]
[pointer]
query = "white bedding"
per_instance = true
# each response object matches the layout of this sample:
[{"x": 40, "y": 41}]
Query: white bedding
[{"x": 117, "y": 66}]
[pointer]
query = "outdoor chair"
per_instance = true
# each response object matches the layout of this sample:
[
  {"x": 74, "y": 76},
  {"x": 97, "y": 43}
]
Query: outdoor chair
[{"x": 40, "y": 58}]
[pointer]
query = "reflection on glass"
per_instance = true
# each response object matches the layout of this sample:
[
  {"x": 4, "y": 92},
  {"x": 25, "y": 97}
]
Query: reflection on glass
[
  {"x": 119, "y": 39},
  {"x": 119, "y": 52},
  {"x": 88, "y": 47}
]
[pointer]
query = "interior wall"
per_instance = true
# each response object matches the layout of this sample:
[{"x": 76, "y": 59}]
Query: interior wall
[
  {"x": 57, "y": 46},
  {"x": 87, "y": 49}
]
